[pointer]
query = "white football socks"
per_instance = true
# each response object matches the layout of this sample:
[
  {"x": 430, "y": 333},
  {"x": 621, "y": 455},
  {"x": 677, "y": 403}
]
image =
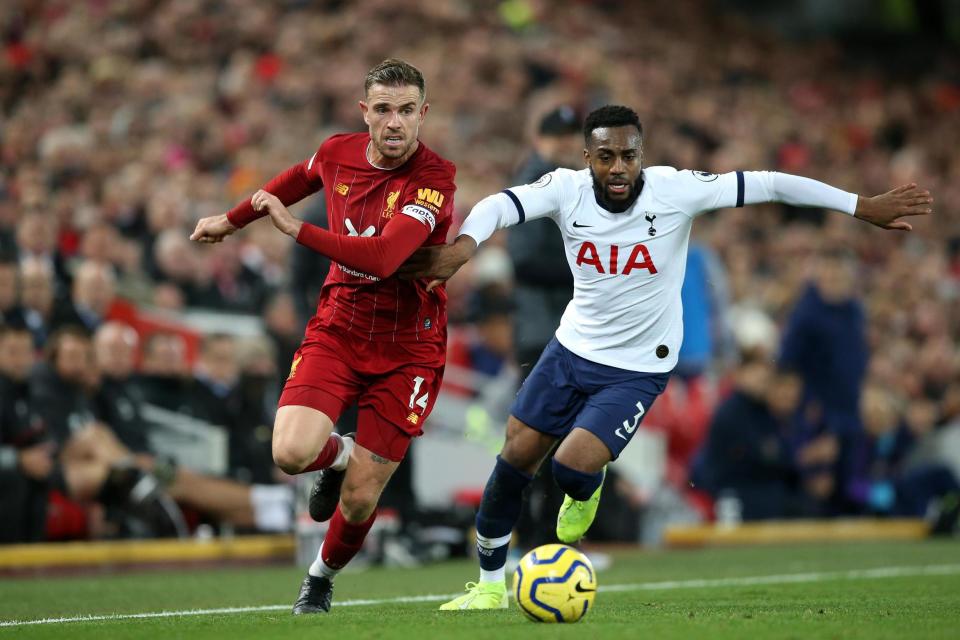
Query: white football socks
[
  {"x": 319, "y": 568},
  {"x": 346, "y": 448},
  {"x": 485, "y": 544}
]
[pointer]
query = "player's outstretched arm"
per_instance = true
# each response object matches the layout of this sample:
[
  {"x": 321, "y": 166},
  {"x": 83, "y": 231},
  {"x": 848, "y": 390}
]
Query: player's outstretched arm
[{"x": 887, "y": 209}]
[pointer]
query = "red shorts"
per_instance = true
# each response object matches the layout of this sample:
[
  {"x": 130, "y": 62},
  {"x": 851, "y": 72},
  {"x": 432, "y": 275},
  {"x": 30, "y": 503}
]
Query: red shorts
[{"x": 394, "y": 385}]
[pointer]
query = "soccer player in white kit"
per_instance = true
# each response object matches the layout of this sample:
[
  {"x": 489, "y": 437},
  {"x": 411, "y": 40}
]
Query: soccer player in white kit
[{"x": 626, "y": 231}]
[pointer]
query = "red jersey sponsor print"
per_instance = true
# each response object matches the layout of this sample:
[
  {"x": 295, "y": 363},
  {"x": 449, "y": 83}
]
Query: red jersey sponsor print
[{"x": 361, "y": 199}]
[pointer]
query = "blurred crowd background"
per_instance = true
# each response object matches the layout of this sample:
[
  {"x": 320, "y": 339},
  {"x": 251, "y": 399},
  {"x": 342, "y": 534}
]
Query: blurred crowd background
[{"x": 820, "y": 373}]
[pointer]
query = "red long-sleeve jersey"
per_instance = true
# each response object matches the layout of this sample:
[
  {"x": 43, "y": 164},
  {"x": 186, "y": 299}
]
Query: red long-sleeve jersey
[{"x": 377, "y": 218}]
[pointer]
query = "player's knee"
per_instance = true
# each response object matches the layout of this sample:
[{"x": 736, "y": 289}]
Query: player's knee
[
  {"x": 289, "y": 457},
  {"x": 523, "y": 449},
  {"x": 576, "y": 484}
]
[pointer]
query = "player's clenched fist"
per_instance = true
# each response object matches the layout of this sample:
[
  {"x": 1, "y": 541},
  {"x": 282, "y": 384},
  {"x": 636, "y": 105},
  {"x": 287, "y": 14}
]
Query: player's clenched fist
[
  {"x": 280, "y": 216},
  {"x": 212, "y": 229}
]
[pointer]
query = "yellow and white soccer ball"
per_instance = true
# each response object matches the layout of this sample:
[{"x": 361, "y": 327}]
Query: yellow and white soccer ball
[{"x": 554, "y": 583}]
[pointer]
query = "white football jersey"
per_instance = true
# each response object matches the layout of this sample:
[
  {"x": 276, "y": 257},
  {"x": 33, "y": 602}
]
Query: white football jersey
[{"x": 627, "y": 267}]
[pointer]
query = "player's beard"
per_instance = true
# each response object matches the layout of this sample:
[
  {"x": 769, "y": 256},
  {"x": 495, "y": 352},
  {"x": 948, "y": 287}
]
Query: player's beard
[{"x": 616, "y": 206}]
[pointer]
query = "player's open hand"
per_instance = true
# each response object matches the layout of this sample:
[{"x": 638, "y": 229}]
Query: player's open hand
[
  {"x": 886, "y": 209},
  {"x": 438, "y": 263},
  {"x": 212, "y": 229},
  {"x": 280, "y": 216}
]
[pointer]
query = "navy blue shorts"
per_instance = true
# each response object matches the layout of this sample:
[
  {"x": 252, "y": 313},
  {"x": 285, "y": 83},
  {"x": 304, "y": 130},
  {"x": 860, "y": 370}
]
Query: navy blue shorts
[{"x": 565, "y": 391}]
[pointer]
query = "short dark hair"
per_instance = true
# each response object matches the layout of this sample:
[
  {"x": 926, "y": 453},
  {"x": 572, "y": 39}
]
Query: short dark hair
[
  {"x": 393, "y": 72},
  {"x": 611, "y": 115}
]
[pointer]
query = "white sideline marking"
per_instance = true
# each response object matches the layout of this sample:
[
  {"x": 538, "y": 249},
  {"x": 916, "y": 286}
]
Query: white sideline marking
[{"x": 746, "y": 581}]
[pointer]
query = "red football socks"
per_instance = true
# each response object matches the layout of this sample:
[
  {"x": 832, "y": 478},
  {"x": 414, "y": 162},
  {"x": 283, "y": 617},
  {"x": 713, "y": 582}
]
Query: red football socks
[
  {"x": 344, "y": 539},
  {"x": 327, "y": 455}
]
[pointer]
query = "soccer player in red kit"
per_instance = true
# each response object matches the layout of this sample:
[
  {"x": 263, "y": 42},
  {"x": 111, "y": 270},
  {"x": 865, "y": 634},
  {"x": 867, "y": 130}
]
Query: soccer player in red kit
[{"x": 375, "y": 339}]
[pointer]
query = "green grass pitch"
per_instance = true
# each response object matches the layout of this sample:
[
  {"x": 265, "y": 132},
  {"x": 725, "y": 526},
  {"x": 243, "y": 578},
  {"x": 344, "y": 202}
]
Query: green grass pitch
[{"x": 902, "y": 590}]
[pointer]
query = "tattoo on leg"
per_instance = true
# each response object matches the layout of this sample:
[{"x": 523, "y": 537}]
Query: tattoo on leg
[{"x": 378, "y": 459}]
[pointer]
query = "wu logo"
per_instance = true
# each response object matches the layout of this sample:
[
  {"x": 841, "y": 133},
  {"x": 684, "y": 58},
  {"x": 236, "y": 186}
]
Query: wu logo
[
  {"x": 369, "y": 231},
  {"x": 430, "y": 195},
  {"x": 629, "y": 427},
  {"x": 650, "y": 218}
]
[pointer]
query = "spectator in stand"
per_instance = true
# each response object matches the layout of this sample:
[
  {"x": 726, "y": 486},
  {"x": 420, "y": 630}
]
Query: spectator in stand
[
  {"x": 543, "y": 283},
  {"x": 217, "y": 399},
  {"x": 37, "y": 238},
  {"x": 283, "y": 326},
  {"x": 882, "y": 481},
  {"x": 92, "y": 296},
  {"x": 165, "y": 374},
  {"x": 747, "y": 455},
  {"x": 119, "y": 403},
  {"x": 235, "y": 286},
  {"x": 37, "y": 298},
  {"x": 485, "y": 344},
  {"x": 26, "y": 457},
  {"x": 259, "y": 389},
  {"x": 93, "y": 465},
  {"x": 9, "y": 292},
  {"x": 826, "y": 343},
  {"x": 178, "y": 264}
]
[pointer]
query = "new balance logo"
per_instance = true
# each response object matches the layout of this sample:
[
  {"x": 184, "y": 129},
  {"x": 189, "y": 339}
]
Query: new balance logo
[{"x": 627, "y": 430}]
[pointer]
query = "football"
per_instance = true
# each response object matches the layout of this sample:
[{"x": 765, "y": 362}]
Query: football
[{"x": 554, "y": 583}]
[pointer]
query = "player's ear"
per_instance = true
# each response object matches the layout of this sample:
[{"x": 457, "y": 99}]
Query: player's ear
[
  {"x": 586, "y": 156},
  {"x": 365, "y": 110},
  {"x": 423, "y": 110}
]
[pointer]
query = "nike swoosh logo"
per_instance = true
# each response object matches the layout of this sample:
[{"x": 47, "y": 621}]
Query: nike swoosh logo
[
  {"x": 579, "y": 589},
  {"x": 577, "y": 225}
]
